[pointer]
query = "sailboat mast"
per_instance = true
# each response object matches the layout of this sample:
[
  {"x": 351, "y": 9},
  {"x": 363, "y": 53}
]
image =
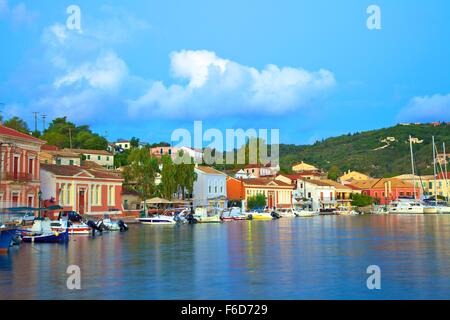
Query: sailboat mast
[
  {"x": 434, "y": 168},
  {"x": 446, "y": 172},
  {"x": 412, "y": 166}
]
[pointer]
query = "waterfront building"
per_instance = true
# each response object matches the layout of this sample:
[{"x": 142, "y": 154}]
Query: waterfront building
[
  {"x": 442, "y": 186},
  {"x": 278, "y": 193},
  {"x": 80, "y": 189},
  {"x": 100, "y": 157},
  {"x": 350, "y": 176},
  {"x": 60, "y": 157},
  {"x": 210, "y": 188},
  {"x": 342, "y": 193},
  {"x": 315, "y": 193},
  {"x": 19, "y": 169},
  {"x": 386, "y": 190}
]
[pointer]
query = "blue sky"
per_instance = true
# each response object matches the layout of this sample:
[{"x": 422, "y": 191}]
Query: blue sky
[{"x": 309, "y": 68}]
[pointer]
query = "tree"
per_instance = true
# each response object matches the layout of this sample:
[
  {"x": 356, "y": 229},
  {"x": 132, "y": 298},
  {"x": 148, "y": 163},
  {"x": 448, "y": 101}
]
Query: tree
[
  {"x": 140, "y": 174},
  {"x": 361, "y": 200},
  {"x": 256, "y": 202},
  {"x": 185, "y": 175},
  {"x": 17, "y": 124},
  {"x": 168, "y": 178},
  {"x": 63, "y": 134},
  {"x": 333, "y": 173},
  {"x": 134, "y": 142}
]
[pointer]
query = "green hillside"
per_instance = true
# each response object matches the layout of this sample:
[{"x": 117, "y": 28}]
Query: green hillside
[{"x": 363, "y": 151}]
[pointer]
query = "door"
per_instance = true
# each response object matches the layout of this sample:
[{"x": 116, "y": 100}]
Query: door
[
  {"x": 81, "y": 198},
  {"x": 270, "y": 200},
  {"x": 15, "y": 199}
]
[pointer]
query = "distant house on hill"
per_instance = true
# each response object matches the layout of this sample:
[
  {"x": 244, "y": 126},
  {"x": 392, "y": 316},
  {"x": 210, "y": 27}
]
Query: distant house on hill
[
  {"x": 302, "y": 167},
  {"x": 101, "y": 157},
  {"x": 351, "y": 176}
]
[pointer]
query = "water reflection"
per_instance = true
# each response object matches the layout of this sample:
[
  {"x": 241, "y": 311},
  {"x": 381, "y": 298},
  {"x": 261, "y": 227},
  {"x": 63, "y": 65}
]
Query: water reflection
[{"x": 302, "y": 258}]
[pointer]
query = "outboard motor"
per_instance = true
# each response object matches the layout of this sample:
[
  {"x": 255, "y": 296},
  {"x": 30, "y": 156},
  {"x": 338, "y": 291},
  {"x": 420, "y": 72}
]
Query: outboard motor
[
  {"x": 94, "y": 227},
  {"x": 74, "y": 217},
  {"x": 122, "y": 225},
  {"x": 190, "y": 219},
  {"x": 275, "y": 215}
]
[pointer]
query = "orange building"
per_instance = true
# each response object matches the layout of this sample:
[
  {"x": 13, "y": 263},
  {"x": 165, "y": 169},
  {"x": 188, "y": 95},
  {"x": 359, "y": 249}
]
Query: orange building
[{"x": 278, "y": 193}]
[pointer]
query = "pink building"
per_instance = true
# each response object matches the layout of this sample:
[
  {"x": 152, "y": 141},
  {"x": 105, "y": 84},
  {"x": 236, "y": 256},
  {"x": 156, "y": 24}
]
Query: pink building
[
  {"x": 19, "y": 169},
  {"x": 80, "y": 189}
]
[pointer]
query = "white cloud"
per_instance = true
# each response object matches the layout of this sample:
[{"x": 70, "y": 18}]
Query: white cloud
[
  {"x": 106, "y": 73},
  {"x": 18, "y": 14},
  {"x": 217, "y": 86},
  {"x": 426, "y": 108}
]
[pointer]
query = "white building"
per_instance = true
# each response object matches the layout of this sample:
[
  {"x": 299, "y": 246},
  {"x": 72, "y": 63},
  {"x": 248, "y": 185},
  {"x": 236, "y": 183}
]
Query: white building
[
  {"x": 210, "y": 188},
  {"x": 123, "y": 144},
  {"x": 318, "y": 193},
  {"x": 100, "y": 157}
]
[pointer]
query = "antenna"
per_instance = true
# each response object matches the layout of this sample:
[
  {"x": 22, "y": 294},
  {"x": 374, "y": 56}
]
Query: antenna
[
  {"x": 44, "y": 116},
  {"x": 35, "y": 120}
]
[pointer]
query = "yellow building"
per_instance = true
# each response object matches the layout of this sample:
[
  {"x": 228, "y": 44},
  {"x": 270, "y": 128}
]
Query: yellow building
[
  {"x": 442, "y": 186},
  {"x": 353, "y": 176},
  {"x": 343, "y": 193},
  {"x": 302, "y": 167}
]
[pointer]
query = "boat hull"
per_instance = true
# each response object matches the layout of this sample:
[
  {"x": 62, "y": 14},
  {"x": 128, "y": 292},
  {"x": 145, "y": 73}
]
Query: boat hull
[
  {"x": 6, "y": 236},
  {"x": 214, "y": 219},
  {"x": 56, "y": 237},
  {"x": 156, "y": 221}
]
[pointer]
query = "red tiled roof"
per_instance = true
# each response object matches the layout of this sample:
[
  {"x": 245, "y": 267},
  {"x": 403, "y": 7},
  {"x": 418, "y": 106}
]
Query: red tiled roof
[
  {"x": 47, "y": 147},
  {"x": 70, "y": 171},
  {"x": 13, "y": 133},
  {"x": 265, "y": 182}
]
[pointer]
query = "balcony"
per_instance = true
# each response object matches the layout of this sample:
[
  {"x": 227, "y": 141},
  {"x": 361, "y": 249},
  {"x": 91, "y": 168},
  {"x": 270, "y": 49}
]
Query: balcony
[{"x": 17, "y": 177}]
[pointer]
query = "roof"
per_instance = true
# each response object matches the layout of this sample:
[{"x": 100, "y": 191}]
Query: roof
[
  {"x": 335, "y": 184},
  {"x": 89, "y": 151},
  {"x": 70, "y": 171},
  {"x": 443, "y": 176},
  {"x": 16, "y": 134},
  {"x": 47, "y": 147},
  {"x": 265, "y": 182},
  {"x": 380, "y": 183},
  {"x": 62, "y": 153},
  {"x": 320, "y": 183},
  {"x": 209, "y": 170}
]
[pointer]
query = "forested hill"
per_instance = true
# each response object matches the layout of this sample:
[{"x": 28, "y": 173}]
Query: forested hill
[{"x": 373, "y": 152}]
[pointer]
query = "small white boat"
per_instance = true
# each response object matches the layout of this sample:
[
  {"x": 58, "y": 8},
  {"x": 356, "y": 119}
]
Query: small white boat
[
  {"x": 75, "y": 228},
  {"x": 406, "y": 206},
  {"x": 157, "y": 220},
  {"x": 203, "y": 216},
  {"x": 259, "y": 215},
  {"x": 286, "y": 212},
  {"x": 305, "y": 213}
]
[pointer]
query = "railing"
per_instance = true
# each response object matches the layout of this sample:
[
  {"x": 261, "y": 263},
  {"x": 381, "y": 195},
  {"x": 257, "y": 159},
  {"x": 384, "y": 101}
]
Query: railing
[{"x": 16, "y": 176}]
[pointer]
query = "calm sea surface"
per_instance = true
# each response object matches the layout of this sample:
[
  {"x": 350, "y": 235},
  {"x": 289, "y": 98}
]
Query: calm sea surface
[{"x": 298, "y": 258}]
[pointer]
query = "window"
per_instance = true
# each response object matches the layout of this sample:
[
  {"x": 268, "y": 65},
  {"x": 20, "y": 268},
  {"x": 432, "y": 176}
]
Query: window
[
  {"x": 170, "y": 151},
  {"x": 71, "y": 162},
  {"x": 58, "y": 161},
  {"x": 30, "y": 166},
  {"x": 161, "y": 151},
  {"x": 107, "y": 158},
  {"x": 88, "y": 157},
  {"x": 99, "y": 158}
]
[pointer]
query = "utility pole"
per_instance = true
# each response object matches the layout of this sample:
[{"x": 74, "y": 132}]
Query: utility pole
[
  {"x": 70, "y": 137},
  {"x": 434, "y": 169},
  {"x": 35, "y": 120}
]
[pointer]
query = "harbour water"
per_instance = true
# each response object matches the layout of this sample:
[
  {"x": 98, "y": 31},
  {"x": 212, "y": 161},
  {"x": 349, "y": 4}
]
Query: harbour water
[{"x": 299, "y": 258}]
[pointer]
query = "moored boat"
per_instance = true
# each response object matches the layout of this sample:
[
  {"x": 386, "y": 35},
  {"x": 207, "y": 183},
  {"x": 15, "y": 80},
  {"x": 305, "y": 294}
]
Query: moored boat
[
  {"x": 41, "y": 232},
  {"x": 233, "y": 214},
  {"x": 203, "y": 216},
  {"x": 6, "y": 236},
  {"x": 406, "y": 206},
  {"x": 305, "y": 213},
  {"x": 285, "y": 212},
  {"x": 157, "y": 220},
  {"x": 79, "y": 228}
]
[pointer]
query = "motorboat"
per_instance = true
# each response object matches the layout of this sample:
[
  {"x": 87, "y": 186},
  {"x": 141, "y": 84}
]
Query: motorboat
[
  {"x": 345, "y": 211},
  {"x": 233, "y": 214},
  {"x": 79, "y": 228},
  {"x": 7, "y": 235},
  {"x": 286, "y": 212},
  {"x": 406, "y": 206},
  {"x": 202, "y": 215},
  {"x": 158, "y": 219},
  {"x": 41, "y": 232},
  {"x": 261, "y": 215},
  {"x": 305, "y": 213}
]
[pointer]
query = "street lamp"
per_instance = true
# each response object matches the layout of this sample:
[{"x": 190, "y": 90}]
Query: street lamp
[{"x": 40, "y": 200}]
